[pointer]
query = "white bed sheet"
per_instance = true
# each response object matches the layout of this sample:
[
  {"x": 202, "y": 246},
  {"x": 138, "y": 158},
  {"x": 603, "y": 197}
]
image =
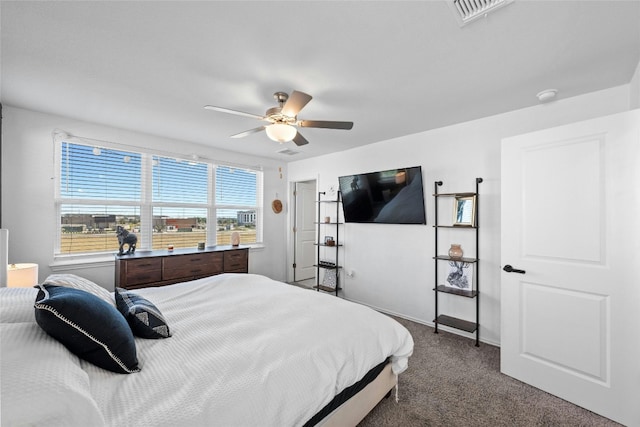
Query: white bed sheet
[{"x": 246, "y": 351}]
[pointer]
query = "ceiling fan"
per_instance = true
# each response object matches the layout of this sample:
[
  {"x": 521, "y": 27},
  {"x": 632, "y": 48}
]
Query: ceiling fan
[{"x": 283, "y": 119}]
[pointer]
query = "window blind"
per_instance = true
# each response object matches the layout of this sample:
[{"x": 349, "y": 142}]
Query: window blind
[
  {"x": 99, "y": 190},
  {"x": 164, "y": 200},
  {"x": 237, "y": 208},
  {"x": 180, "y": 199}
]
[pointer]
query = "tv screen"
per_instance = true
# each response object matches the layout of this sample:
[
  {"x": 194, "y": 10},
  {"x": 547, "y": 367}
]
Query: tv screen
[{"x": 393, "y": 196}]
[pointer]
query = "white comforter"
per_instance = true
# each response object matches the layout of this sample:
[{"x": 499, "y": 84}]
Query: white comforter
[{"x": 245, "y": 351}]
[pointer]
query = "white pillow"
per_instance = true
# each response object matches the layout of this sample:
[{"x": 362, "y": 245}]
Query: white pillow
[
  {"x": 16, "y": 304},
  {"x": 42, "y": 382},
  {"x": 77, "y": 282}
]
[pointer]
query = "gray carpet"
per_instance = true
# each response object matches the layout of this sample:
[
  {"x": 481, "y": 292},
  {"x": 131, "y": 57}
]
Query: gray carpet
[{"x": 450, "y": 382}]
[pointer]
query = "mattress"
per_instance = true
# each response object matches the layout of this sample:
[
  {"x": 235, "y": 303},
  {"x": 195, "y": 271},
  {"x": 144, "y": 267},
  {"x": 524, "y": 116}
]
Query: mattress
[{"x": 245, "y": 350}]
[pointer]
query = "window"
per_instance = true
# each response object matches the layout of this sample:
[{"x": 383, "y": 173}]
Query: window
[
  {"x": 180, "y": 202},
  {"x": 163, "y": 200},
  {"x": 236, "y": 209}
]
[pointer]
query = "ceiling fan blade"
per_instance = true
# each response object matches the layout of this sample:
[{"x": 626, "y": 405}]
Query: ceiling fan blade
[
  {"x": 325, "y": 124},
  {"x": 227, "y": 110},
  {"x": 248, "y": 132},
  {"x": 300, "y": 140},
  {"x": 295, "y": 103}
]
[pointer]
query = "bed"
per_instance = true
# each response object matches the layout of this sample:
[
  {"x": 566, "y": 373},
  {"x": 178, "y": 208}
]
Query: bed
[{"x": 244, "y": 350}]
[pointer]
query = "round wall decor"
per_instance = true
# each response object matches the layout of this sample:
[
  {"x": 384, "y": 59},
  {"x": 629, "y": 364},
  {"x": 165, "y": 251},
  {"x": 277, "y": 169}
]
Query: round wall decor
[{"x": 276, "y": 205}]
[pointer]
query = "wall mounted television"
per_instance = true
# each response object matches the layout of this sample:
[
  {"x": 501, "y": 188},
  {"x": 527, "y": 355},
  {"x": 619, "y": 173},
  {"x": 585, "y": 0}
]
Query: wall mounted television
[{"x": 392, "y": 196}]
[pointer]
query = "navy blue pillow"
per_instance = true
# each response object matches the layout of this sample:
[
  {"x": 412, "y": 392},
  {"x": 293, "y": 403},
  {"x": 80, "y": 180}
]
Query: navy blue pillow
[
  {"x": 145, "y": 319},
  {"x": 88, "y": 326}
]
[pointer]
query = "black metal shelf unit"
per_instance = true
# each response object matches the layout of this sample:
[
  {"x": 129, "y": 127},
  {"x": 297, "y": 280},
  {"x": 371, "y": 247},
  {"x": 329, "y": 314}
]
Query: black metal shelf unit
[
  {"x": 331, "y": 266},
  {"x": 442, "y": 319}
]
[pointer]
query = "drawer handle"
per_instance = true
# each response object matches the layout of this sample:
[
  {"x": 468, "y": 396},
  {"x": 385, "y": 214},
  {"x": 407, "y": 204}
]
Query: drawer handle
[
  {"x": 196, "y": 271},
  {"x": 145, "y": 265}
]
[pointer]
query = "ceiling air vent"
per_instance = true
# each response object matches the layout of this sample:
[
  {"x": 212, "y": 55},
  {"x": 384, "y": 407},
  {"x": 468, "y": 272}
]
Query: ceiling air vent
[
  {"x": 467, "y": 11},
  {"x": 287, "y": 151}
]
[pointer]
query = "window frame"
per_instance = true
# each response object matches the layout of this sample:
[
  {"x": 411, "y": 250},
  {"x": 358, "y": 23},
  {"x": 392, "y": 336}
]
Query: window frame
[{"x": 146, "y": 204}]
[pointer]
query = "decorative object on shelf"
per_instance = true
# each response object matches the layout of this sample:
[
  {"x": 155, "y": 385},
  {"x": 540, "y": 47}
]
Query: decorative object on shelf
[
  {"x": 22, "y": 275},
  {"x": 327, "y": 264},
  {"x": 200, "y": 245},
  {"x": 464, "y": 211},
  {"x": 328, "y": 240},
  {"x": 126, "y": 238},
  {"x": 327, "y": 219},
  {"x": 276, "y": 205},
  {"x": 455, "y": 251},
  {"x": 329, "y": 279},
  {"x": 170, "y": 248},
  {"x": 460, "y": 275},
  {"x": 235, "y": 238}
]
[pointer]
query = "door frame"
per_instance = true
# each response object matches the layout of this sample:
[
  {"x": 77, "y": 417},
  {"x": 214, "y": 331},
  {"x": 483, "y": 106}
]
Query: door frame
[{"x": 291, "y": 222}]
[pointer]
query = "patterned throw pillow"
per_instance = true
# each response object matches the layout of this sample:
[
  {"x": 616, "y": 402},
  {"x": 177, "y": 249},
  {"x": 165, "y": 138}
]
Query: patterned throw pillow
[
  {"x": 77, "y": 282},
  {"x": 145, "y": 319},
  {"x": 89, "y": 327}
]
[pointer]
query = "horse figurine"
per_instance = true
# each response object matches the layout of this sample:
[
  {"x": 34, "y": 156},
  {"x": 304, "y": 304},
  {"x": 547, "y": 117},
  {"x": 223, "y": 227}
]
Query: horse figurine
[{"x": 126, "y": 238}]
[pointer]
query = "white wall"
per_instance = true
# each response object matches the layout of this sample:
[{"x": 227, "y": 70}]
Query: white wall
[
  {"x": 392, "y": 264},
  {"x": 28, "y": 190},
  {"x": 634, "y": 90}
]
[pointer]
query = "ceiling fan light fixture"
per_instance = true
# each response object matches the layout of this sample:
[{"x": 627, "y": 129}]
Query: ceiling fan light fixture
[{"x": 281, "y": 132}]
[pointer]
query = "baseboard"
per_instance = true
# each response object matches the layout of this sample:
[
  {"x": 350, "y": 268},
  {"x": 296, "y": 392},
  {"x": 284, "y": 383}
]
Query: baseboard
[{"x": 426, "y": 323}]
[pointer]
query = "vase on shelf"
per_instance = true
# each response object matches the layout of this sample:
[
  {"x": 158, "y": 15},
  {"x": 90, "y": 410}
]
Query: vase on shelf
[{"x": 455, "y": 251}]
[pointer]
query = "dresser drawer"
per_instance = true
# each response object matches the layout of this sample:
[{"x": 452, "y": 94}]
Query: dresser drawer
[
  {"x": 143, "y": 271},
  {"x": 236, "y": 261},
  {"x": 192, "y": 265}
]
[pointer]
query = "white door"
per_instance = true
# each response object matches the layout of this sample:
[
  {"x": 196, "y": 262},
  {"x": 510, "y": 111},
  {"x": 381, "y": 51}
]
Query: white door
[
  {"x": 570, "y": 214},
  {"x": 304, "y": 231}
]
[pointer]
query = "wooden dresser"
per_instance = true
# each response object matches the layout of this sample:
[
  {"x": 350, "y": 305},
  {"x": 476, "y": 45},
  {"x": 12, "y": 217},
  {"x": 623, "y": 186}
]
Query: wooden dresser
[{"x": 162, "y": 267}]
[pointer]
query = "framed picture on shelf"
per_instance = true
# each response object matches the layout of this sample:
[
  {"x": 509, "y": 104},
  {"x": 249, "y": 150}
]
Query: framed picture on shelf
[
  {"x": 464, "y": 211},
  {"x": 460, "y": 276},
  {"x": 329, "y": 279},
  {"x": 328, "y": 240}
]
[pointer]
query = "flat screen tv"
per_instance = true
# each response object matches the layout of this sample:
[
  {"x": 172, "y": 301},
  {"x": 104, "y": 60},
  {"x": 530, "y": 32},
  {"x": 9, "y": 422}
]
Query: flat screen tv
[{"x": 392, "y": 196}]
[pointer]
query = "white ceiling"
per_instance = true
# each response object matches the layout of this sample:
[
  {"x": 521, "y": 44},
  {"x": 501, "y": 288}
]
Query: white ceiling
[{"x": 393, "y": 68}]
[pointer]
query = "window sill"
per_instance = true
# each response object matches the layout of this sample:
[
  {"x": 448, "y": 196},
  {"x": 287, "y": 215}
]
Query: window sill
[{"x": 64, "y": 263}]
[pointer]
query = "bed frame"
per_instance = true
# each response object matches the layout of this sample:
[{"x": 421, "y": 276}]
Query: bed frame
[{"x": 355, "y": 409}]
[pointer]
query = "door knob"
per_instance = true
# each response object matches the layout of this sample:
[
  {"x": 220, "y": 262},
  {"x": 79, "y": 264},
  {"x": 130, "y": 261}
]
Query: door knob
[{"x": 509, "y": 269}]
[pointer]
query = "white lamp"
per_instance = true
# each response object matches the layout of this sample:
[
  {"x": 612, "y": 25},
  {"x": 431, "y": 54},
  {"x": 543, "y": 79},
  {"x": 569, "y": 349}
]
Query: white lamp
[
  {"x": 281, "y": 132},
  {"x": 22, "y": 275}
]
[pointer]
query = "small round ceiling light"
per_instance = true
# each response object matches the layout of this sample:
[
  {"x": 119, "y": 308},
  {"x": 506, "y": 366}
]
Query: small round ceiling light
[{"x": 547, "y": 95}]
